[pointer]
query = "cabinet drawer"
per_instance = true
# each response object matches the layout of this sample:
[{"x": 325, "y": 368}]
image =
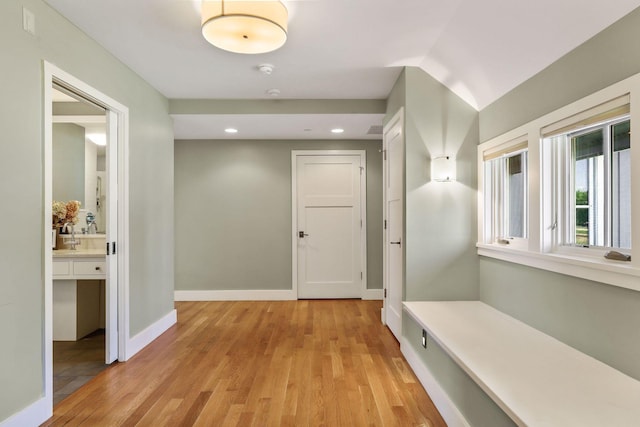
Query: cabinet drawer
[
  {"x": 61, "y": 268},
  {"x": 85, "y": 268}
]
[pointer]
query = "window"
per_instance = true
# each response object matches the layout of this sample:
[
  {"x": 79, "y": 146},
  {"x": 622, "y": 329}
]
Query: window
[
  {"x": 505, "y": 192},
  {"x": 594, "y": 185},
  {"x": 561, "y": 192}
]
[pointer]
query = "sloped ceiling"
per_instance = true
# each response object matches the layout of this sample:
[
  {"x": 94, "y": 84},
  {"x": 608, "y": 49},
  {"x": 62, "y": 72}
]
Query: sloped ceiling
[{"x": 348, "y": 49}]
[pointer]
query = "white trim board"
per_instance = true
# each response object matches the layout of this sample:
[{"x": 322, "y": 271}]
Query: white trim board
[
  {"x": 254, "y": 295},
  {"x": 33, "y": 415},
  {"x": 243, "y": 295},
  {"x": 150, "y": 333},
  {"x": 452, "y": 416}
]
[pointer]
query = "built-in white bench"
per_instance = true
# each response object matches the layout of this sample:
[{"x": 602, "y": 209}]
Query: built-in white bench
[{"x": 535, "y": 379}]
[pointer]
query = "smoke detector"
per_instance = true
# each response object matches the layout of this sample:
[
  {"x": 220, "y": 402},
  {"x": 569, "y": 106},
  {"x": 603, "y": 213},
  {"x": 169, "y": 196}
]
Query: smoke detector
[
  {"x": 266, "y": 69},
  {"x": 273, "y": 92}
]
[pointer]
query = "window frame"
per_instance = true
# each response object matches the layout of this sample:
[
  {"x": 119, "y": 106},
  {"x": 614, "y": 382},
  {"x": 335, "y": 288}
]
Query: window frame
[
  {"x": 566, "y": 182},
  {"x": 541, "y": 249},
  {"x": 495, "y": 191}
]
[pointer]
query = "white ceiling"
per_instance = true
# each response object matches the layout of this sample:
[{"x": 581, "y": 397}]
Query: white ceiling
[{"x": 347, "y": 49}]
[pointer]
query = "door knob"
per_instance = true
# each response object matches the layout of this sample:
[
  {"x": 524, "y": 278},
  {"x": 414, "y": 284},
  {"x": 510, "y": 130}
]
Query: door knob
[{"x": 302, "y": 234}]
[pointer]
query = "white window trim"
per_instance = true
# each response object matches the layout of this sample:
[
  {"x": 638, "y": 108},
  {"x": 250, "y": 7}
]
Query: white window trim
[
  {"x": 498, "y": 150},
  {"x": 539, "y": 252}
]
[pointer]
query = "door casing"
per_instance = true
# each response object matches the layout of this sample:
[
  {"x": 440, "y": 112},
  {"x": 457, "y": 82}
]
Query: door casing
[{"x": 121, "y": 138}]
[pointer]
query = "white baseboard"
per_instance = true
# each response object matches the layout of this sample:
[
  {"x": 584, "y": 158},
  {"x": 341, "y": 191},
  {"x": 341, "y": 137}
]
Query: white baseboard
[
  {"x": 372, "y": 294},
  {"x": 452, "y": 416},
  {"x": 244, "y": 295},
  {"x": 144, "y": 338},
  {"x": 254, "y": 295},
  {"x": 33, "y": 415}
]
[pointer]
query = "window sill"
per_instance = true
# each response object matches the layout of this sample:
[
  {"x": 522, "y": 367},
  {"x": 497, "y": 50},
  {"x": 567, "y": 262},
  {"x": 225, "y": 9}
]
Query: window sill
[{"x": 616, "y": 273}]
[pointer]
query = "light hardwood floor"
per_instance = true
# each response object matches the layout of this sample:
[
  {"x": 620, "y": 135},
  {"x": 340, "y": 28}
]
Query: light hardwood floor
[{"x": 288, "y": 363}]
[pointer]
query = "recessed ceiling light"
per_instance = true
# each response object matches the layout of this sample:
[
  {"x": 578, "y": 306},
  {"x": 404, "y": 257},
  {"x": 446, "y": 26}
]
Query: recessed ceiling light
[
  {"x": 337, "y": 130},
  {"x": 231, "y": 130}
]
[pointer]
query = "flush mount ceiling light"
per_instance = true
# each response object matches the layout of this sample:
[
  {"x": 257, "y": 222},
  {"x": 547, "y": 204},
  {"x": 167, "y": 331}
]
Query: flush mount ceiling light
[
  {"x": 231, "y": 130},
  {"x": 239, "y": 26},
  {"x": 337, "y": 130}
]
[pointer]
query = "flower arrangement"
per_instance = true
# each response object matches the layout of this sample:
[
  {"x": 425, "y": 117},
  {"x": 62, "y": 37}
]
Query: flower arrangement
[
  {"x": 59, "y": 211},
  {"x": 65, "y": 212}
]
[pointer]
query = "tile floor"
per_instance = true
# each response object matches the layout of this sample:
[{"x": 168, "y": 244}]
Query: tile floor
[{"x": 75, "y": 363}]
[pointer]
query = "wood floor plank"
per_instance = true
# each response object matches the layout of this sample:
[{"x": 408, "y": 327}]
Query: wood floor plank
[
  {"x": 194, "y": 409},
  {"x": 269, "y": 363}
]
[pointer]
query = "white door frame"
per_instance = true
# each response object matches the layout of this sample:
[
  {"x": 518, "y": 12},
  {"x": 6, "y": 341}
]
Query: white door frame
[
  {"x": 294, "y": 211},
  {"x": 397, "y": 118},
  {"x": 54, "y": 74}
]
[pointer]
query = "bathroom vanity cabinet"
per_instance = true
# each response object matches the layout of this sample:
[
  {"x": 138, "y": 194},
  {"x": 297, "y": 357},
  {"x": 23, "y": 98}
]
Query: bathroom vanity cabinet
[{"x": 78, "y": 293}]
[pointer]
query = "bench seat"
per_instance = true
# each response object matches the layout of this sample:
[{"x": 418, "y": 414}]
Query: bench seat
[{"x": 534, "y": 378}]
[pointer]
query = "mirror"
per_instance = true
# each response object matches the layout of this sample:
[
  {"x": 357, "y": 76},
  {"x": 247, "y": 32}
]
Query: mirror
[
  {"x": 79, "y": 139},
  {"x": 68, "y": 162}
]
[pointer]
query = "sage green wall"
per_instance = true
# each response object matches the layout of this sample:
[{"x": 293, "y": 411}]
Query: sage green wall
[
  {"x": 397, "y": 97},
  {"x": 440, "y": 221},
  {"x": 68, "y": 162},
  {"x": 233, "y": 212},
  {"x": 476, "y": 406},
  {"x": 21, "y": 184},
  {"x": 607, "y": 58},
  {"x": 598, "y": 319}
]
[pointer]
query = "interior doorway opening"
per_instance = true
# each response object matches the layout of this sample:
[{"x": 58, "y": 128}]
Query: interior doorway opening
[
  {"x": 79, "y": 192},
  {"x": 85, "y": 214}
]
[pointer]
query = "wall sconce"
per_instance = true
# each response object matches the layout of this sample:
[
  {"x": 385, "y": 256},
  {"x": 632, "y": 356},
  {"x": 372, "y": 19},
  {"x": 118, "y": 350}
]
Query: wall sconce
[{"x": 443, "y": 169}]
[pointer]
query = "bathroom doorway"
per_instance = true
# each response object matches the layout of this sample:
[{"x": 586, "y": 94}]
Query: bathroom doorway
[
  {"x": 79, "y": 149},
  {"x": 85, "y": 182}
]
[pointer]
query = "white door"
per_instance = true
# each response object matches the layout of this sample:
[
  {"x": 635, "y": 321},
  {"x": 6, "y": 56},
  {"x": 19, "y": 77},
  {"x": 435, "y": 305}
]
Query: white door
[
  {"x": 328, "y": 232},
  {"x": 111, "y": 285},
  {"x": 394, "y": 215}
]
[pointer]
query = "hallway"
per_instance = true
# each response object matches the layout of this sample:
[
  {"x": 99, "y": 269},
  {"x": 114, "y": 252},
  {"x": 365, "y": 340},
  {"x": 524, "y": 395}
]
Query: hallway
[{"x": 280, "y": 363}]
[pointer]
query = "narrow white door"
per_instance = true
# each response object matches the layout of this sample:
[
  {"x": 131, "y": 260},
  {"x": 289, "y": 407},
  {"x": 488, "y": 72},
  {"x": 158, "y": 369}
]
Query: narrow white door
[
  {"x": 111, "y": 285},
  {"x": 394, "y": 216},
  {"x": 328, "y": 231}
]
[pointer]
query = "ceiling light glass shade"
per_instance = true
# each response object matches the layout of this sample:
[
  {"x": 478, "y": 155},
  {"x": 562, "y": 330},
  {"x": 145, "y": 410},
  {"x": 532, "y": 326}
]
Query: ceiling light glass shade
[{"x": 238, "y": 26}]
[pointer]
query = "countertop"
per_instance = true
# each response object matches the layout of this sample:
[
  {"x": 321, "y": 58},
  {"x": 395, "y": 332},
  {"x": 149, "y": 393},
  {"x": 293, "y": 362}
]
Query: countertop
[{"x": 78, "y": 253}]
